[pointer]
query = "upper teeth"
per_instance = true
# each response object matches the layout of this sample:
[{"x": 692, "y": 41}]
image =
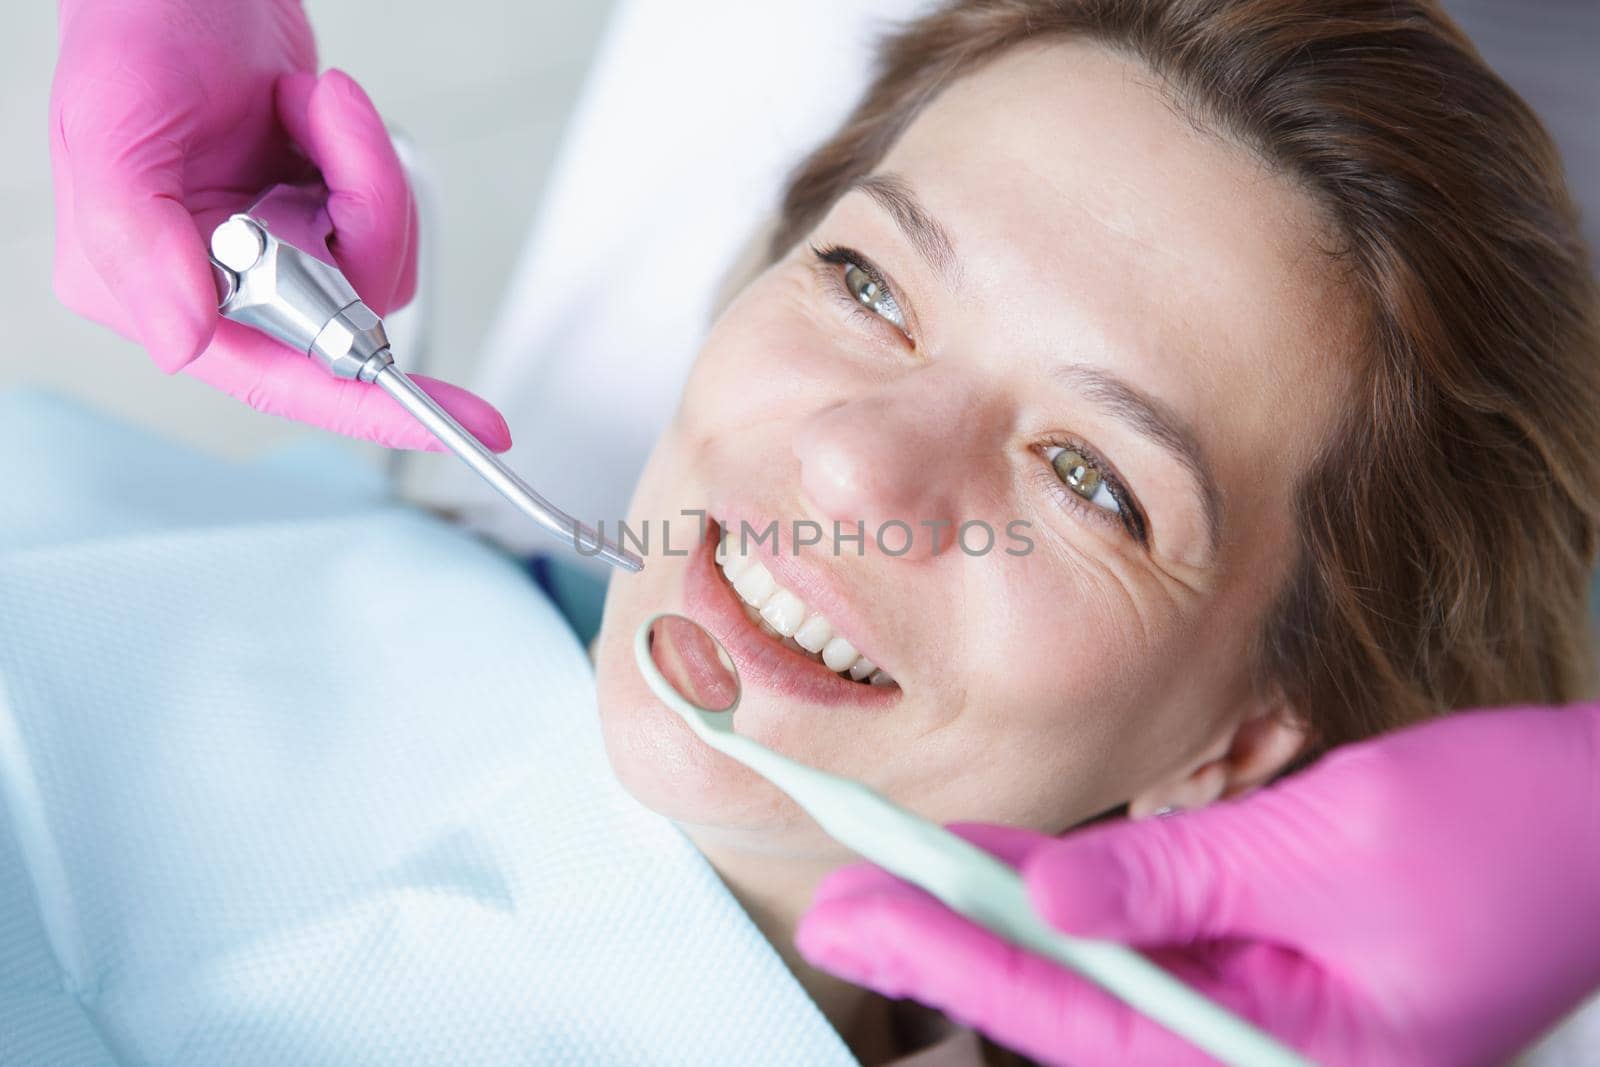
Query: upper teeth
[{"x": 789, "y": 617}]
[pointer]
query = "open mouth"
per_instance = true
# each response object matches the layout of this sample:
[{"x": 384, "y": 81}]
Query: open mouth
[{"x": 784, "y": 617}]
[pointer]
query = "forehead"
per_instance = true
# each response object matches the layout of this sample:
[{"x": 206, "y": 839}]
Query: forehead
[{"x": 1085, "y": 205}]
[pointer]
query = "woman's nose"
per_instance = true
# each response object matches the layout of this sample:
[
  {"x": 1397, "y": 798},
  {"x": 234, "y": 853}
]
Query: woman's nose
[{"x": 909, "y": 452}]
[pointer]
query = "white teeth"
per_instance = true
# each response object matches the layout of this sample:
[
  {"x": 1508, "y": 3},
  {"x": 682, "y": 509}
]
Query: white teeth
[
  {"x": 784, "y": 611},
  {"x": 732, "y": 563},
  {"x": 755, "y": 585},
  {"x": 813, "y": 634},
  {"x": 838, "y": 654},
  {"x": 785, "y": 617}
]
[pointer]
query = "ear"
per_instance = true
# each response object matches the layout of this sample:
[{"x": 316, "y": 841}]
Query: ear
[{"x": 1258, "y": 748}]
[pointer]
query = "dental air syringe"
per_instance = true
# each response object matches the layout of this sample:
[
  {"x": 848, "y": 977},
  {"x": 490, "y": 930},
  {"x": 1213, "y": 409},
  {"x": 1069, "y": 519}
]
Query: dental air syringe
[{"x": 293, "y": 295}]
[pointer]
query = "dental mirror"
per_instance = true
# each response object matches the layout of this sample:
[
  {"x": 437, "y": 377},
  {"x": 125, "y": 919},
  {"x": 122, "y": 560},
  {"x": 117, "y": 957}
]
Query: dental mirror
[
  {"x": 689, "y": 670},
  {"x": 693, "y": 663}
]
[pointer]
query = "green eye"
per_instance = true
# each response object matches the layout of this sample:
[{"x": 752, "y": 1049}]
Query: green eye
[
  {"x": 1082, "y": 476},
  {"x": 870, "y": 293}
]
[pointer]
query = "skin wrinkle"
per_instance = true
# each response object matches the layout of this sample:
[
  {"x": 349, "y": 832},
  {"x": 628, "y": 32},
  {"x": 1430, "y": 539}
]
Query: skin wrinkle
[
  {"x": 1159, "y": 423},
  {"x": 1074, "y": 558},
  {"x": 1106, "y": 582},
  {"x": 1137, "y": 637}
]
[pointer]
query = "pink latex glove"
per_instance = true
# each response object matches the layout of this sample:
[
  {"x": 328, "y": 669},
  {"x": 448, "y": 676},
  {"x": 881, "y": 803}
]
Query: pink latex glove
[
  {"x": 1430, "y": 897},
  {"x": 167, "y": 116}
]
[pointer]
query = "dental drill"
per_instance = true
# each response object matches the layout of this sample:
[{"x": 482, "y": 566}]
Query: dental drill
[{"x": 291, "y": 295}]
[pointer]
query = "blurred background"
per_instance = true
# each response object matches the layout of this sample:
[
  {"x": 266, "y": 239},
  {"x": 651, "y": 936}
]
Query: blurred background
[{"x": 484, "y": 88}]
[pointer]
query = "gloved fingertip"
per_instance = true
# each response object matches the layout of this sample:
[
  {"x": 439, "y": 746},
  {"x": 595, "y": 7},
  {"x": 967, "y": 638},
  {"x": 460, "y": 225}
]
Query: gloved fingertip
[
  {"x": 337, "y": 80},
  {"x": 175, "y": 331},
  {"x": 826, "y": 942},
  {"x": 830, "y": 941},
  {"x": 182, "y": 346},
  {"x": 488, "y": 426},
  {"x": 471, "y": 411},
  {"x": 338, "y": 94},
  {"x": 1078, "y": 886},
  {"x": 500, "y": 439}
]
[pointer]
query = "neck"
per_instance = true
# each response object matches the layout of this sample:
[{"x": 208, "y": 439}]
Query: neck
[{"x": 775, "y": 892}]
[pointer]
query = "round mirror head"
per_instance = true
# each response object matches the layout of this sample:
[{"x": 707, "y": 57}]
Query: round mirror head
[{"x": 693, "y": 663}]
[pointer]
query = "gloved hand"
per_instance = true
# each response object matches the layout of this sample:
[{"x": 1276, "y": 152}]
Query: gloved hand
[
  {"x": 166, "y": 117},
  {"x": 1429, "y": 897}
]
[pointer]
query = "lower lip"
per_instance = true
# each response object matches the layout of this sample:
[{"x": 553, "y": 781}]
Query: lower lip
[{"x": 763, "y": 663}]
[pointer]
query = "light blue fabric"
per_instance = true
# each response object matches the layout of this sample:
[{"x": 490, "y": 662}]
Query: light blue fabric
[{"x": 292, "y": 775}]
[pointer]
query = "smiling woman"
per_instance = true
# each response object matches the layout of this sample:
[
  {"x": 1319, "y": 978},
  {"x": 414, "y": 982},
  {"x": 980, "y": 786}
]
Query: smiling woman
[
  {"x": 1268, "y": 318},
  {"x": 1419, "y": 586}
]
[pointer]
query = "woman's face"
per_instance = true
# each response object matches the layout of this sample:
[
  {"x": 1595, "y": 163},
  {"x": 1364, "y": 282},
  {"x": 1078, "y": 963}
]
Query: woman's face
[{"x": 1058, "y": 312}]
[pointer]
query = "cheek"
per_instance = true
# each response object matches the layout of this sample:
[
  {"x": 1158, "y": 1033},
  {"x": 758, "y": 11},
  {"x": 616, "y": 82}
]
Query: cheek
[
  {"x": 1078, "y": 696},
  {"x": 1072, "y": 719}
]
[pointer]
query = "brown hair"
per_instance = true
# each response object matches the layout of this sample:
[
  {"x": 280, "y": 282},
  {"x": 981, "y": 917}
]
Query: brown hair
[{"x": 1448, "y": 530}]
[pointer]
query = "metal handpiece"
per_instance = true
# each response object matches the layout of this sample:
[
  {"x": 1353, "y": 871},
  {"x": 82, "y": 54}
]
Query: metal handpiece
[{"x": 296, "y": 298}]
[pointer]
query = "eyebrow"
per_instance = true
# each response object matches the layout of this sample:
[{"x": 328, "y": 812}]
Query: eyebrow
[
  {"x": 1155, "y": 421},
  {"x": 896, "y": 197}
]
